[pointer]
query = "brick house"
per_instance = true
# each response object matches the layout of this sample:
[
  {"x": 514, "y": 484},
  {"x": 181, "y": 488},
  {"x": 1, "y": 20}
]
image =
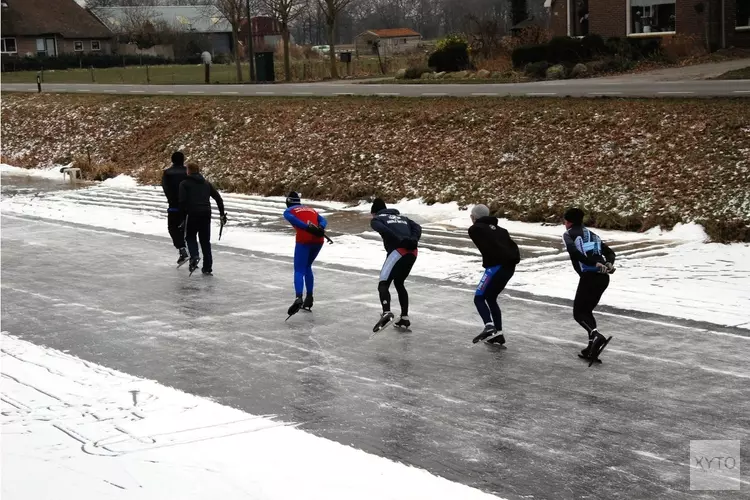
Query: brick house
[
  {"x": 724, "y": 23},
  {"x": 50, "y": 28}
]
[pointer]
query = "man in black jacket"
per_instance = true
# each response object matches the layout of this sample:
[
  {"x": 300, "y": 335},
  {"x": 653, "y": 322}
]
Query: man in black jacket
[
  {"x": 195, "y": 206},
  {"x": 499, "y": 258},
  {"x": 400, "y": 239},
  {"x": 170, "y": 183},
  {"x": 594, "y": 261}
]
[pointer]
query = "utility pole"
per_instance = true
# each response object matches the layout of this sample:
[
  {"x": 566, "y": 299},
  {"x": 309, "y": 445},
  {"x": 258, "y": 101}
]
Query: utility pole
[{"x": 250, "y": 51}]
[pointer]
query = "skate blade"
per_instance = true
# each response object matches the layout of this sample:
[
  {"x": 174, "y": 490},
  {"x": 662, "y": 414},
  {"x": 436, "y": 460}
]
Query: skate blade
[
  {"x": 586, "y": 358},
  {"x": 481, "y": 337},
  {"x": 379, "y": 328},
  {"x": 601, "y": 349},
  {"x": 402, "y": 329},
  {"x": 180, "y": 265}
]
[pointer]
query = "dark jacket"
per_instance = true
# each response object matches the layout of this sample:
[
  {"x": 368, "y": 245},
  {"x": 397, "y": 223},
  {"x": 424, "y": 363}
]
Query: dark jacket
[
  {"x": 397, "y": 231},
  {"x": 194, "y": 196},
  {"x": 585, "y": 261},
  {"x": 170, "y": 183},
  {"x": 494, "y": 242}
]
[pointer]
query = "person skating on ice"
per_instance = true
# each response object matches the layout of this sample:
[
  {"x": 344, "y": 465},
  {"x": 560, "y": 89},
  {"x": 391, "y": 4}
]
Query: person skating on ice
[
  {"x": 594, "y": 261},
  {"x": 195, "y": 206},
  {"x": 310, "y": 227},
  {"x": 171, "y": 179},
  {"x": 400, "y": 238},
  {"x": 500, "y": 256}
]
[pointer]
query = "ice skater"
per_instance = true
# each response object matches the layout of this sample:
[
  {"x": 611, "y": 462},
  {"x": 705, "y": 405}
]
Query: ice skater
[
  {"x": 195, "y": 206},
  {"x": 594, "y": 261},
  {"x": 500, "y": 256},
  {"x": 170, "y": 183},
  {"x": 400, "y": 238},
  {"x": 310, "y": 228}
]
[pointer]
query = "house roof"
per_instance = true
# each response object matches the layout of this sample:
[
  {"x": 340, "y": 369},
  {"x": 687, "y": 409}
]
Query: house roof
[
  {"x": 46, "y": 17},
  {"x": 394, "y": 33},
  {"x": 199, "y": 18}
]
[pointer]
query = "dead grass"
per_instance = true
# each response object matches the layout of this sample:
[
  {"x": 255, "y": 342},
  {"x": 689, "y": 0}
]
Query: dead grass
[{"x": 632, "y": 164}]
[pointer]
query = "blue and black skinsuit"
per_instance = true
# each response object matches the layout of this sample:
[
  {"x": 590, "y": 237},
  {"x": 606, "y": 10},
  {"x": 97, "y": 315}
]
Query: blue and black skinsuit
[
  {"x": 500, "y": 256},
  {"x": 586, "y": 249},
  {"x": 170, "y": 183},
  {"x": 307, "y": 245},
  {"x": 400, "y": 238},
  {"x": 195, "y": 205}
]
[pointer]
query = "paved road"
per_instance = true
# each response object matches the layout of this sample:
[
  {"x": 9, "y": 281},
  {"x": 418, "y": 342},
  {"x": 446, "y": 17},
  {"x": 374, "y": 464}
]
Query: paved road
[
  {"x": 530, "y": 421},
  {"x": 568, "y": 88}
]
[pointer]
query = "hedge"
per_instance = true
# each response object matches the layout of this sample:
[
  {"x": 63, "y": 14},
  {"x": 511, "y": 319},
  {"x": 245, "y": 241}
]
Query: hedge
[
  {"x": 68, "y": 61},
  {"x": 570, "y": 51}
]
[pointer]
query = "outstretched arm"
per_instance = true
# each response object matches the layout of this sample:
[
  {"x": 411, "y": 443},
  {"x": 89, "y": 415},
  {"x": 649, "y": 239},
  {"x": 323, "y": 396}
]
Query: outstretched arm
[
  {"x": 322, "y": 222},
  {"x": 217, "y": 198}
]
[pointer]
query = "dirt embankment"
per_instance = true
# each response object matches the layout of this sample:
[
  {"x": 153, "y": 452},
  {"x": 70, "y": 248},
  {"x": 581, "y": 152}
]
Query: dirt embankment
[{"x": 632, "y": 164}]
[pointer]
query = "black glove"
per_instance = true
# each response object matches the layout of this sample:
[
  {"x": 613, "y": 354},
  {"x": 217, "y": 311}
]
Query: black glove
[
  {"x": 610, "y": 268},
  {"x": 315, "y": 230},
  {"x": 181, "y": 227},
  {"x": 408, "y": 244},
  {"x": 223, "y": 219}
]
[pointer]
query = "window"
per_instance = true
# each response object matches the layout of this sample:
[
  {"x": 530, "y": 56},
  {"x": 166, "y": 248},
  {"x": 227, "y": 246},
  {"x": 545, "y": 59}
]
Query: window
[
  {"x": 651, "y": 16},
  {"x": 96, "y": 45},
  {"x": 41, "y": 47},
  {"x": 46, "y": 47},
  {"x": 78, "y": 46},
  {"x": 578, "y": 17},
  {"x": 9, "y": 46},
  {"x": 743, "y": 14}
]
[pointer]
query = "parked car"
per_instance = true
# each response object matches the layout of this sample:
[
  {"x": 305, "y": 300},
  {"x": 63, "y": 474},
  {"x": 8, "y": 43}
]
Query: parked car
[{"x": 322, "y": 49}]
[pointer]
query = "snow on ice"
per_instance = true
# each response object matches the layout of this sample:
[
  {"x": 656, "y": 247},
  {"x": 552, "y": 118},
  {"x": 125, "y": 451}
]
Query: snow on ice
[
  {"x": 677, "y": 274},
  {"x": 74, "y": 429}
]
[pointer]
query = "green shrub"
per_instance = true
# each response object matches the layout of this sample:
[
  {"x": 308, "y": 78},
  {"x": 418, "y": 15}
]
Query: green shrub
[
  {"x": 415, "y": 72},
  {"x": 537, "y": 69},
  {"x": 528, "y": 54},
  {"x": 594, "y": 45},
  {"x": 451, "y": 54}
]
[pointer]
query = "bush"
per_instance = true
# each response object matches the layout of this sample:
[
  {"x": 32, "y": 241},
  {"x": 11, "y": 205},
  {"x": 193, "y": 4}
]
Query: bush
[
  {"x": 556, "y": 72},
  {"x": 594, "y": 45},
  {"x": 451, "y": 54},
  {"x": 537, "y": 69},
  {"x": 415, "y": 72},
  {"x": 100, "y": 61},
  {"x": 528, "y": 54},
  {"x": 563, "y": 49}
]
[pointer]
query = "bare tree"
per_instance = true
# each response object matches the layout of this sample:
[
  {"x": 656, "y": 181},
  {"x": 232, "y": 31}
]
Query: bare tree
[
  {"x": 332, "y": 9},
  {"x": 234, "y": 12},
  {"x": 285, "y": 12}
]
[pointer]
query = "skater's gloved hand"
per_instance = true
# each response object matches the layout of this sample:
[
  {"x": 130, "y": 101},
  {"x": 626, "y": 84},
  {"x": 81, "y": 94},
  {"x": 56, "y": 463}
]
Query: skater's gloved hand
[
  {"x": 601, "y": 268},
  {"x": 610, "y": 267},
  {"x": 315, "y": 230},
  {"x": 223, "y": 219},
  {"x": 408, "y": 244},
  {"x": 181, "y": 227}
]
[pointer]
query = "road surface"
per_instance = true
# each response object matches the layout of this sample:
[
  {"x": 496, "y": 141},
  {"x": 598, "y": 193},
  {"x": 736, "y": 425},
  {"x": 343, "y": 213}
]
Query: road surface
[
  {"x": 568, "y": 88},
  {"x": 529, "y": 421}
]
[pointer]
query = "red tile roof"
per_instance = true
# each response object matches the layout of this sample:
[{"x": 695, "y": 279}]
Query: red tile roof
[{"x": 395, "y": 33}]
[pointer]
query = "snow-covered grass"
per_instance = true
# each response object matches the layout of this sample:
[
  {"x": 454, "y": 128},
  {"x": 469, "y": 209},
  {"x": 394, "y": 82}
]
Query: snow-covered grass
[
  {"x": 664, "y": 272},
  {"x": 74, "y": 429},
  {"x": 633, "y": 164}
]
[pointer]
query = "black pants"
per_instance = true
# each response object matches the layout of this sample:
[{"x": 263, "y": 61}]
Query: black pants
[
  {"x": 174, "y": 219},
  {"x": 590, "y": 289},
  {"x": 199, "y": 225},
  {"x": 396, "y": 269}
]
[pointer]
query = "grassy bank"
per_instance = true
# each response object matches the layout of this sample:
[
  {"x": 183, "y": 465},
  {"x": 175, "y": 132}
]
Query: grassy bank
[
  {"x": 738, "y": 74},
  {"x": 633, "y": 164}
]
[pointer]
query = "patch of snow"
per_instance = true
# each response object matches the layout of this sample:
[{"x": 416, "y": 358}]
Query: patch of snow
[
  {"x": 44, "y": 173},
  {"x": 92, "y": 433},
  {"x": 121, "y": 181}
]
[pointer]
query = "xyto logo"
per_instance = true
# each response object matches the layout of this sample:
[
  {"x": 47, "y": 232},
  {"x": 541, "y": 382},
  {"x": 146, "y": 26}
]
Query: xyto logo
[{"x": 709, "y": 464}]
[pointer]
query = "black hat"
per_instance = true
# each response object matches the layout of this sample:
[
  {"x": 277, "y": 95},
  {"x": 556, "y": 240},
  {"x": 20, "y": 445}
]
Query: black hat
[
  {"x": 574, "y": 215},
  {"x": 377, "y": 205},
  {"x": 293, "y": 199},
  {"x": 178, "y": 158}
]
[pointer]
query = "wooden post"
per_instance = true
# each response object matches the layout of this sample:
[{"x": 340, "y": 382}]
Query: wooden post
[
  {"x": 91, "y": 70},
  {"x": 207, "y": 68},
  {"x": 39, "y": 83},
  {"x": 148, "y": 75}
]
